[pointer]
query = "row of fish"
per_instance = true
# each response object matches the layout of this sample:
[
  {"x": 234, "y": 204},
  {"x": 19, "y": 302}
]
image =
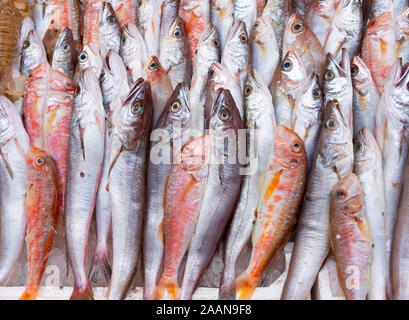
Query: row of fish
[{"x": 135, "y": 109}]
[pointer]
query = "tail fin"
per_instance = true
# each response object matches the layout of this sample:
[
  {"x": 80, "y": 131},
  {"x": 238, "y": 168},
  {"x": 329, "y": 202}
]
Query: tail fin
[
  {"x": 167, "y": 289},
  {"x": 82, "y": 294},
  {"x": 100, "y": 262},
  {"x": 246, "y": 285},
  {"x": 29, "y": 294}
]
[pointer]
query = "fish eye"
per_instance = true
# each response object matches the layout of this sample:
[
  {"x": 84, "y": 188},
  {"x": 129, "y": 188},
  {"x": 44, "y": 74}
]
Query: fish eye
[
  {"x": 357, "y": 146},
  {"x": 153, "y": 65},
  {"x": 354, "y": 70},
  {"x": 316, "y": 93},
  {"x": 137, "y": 108},
  {"x": 287, "y": 65},
  {"x": 177, "y": 34},
  {"x": 212, "y": 74},
  {"x": 216, "y": 43},
  {"x": 68, "y": 85},
  {"x": 187, "y": 149},
  {"x": 224, "y": 114},
  {"x": 123, "y": 40},
  {"x": 55, "y": 31},
  {"x": 341, "y": 195},
  {"x": 175, "y": 107},
  {"x": 40, "y": 161},
  {"x": 372, "y": 23},
  {"x": 139, "y": 3},
  {"x": 248, "y": 90},
  {"x": 296, "y": 147},
  {"x": 65, "y": 47},
  {"x": 111, "y": 19},
  {"x": 256, "y": 25},
  {"x": 297, "y": 27},
  {"x": 332, "y": 124},
  {"x": 26, "y": 44},
  {"x": 243, "y": 38},
  {"x": 83, "y": 56},
  {"x": 329, "y": 75}
]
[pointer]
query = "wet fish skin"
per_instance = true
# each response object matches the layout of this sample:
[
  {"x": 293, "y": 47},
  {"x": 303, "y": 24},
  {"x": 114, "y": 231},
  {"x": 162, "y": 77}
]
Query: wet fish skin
[
  {"x": 84, "y": 172},
  {"x": 301, "y": 6},
  {"x": 26, "y": 26},
  {"x": 42, "y": 216},
  {"x": 149, "y": 15},
  {"x": 174, "y": 54},
  {"x": 246, "y": 11},
  {"x": 350, "y": 237},
  {"x": 184, "y": 191},
  {"x": 299, "y": 38},
  {"x": 285, "y": 87},
  {"x": 379, "y": 7},
  {"x": 368, "y": 168},
  {"x": 366, "y": 98},
  {"x": 14, "y": 144},
  {"x": 402, "y": 35},
  {"x": 260, "y": 120},
  {"x": 280, "y": 200},
  {"x": 89, "y": 58},
  {"x": 319, "y": 18},
  {"x": 308, "y": 115},
  {"x": 64, "y": 58},
  {"x": 398, "y": 6},
  {"x": 175, "y": 121},
  {"x": 109, "y": 30},
  {"x": 32, "y": 53},
  {"x": 333, "y": 160},
  {"x": 133, "y": 52},
  {"x": 264, "y": 50},
  {"x": 125, "y": 10},
  {"x": 170, "y": 10},
  {"x": 127, "y": 158},
  {"x": 221, "y": 193},
  {"x": 222, "y": 16}
]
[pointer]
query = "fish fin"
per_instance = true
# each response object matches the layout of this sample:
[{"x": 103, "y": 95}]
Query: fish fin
[
  {"x": 167, "y": 289},
  {"x": 29, "y": 294},
  {"x": 6, "y": 163},
  {"x": 81, "y": 135},
  {"x": 111, "y": 166},
  {"x": 82, "y": 294},
  {"x": 100, "y": 262},
  {"x": 363, "y": 227},
  {"x": 246, "y": 285}
]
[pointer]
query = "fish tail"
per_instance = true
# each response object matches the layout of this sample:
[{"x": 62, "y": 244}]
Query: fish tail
[
  {"x": 82, "y": 294},
  {"x": 167, "y": 289},
  {"x": 100, "y": 262},
  {"x": 227, "y": 290},
  {"x": 246, "y": 284},
  {"x": 29, "y": 294}
]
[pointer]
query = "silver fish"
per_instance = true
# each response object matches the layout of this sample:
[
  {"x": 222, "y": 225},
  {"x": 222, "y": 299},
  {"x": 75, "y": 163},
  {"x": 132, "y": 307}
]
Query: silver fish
[
  {"x": 89, "y": 58},
  {"x": 246, "y": 11},
  {"x": 26, "y": 26},
  {"x": 222, "y": 16},
  {"x": 109, "y": 31},
  {"x": 319, "y": 18},
  {"x": 402, "y": 35},
  {"x": 170, "y": 9},
  {"x": 32, "y": 53},
  {"x": 149, "y": 14},
  {"x": 64, "y": 58}
]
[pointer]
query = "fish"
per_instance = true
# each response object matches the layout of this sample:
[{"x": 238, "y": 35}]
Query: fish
[
  {"x": 90, "y": 24},
  {"x": 366, "y": 97},
  {"x": 48, "y": 104},
  {"x": 379, "y": 48},
  {"x": 308, "y": 115},
  {"x": 246, "y": 11},
  {"x": 160, "y": 84},
  {"x": 222, "y": 17},
  {"x": 196, "y": 15},
  {"x": 319, "y": 18},
  {"x": 27, "y": 25},
  {"x": 236, "y": 54},
  {"x": 261, "y": 126},
  {"x": 398, "y": 6},
  {"x": 170, "y": 10},
  {"x": 368, "y": 168},
  {"x": 399, "y": 260},
  {"x": 207, "y": 53},
  {"x": 174, "y": 54},
  {"x": 287, "y": 83},
  {"x": 14, "y": 145},
  {"x": 333, "y": 160},
  {"x": 64, "y": 58},
  {"x": 301, "y": 7},
  {"x": 125, "y": 10},
  {"x": 32, "y": 53},
  {"x": 346, "y": 29},
  {"x": 184, "y": 191},
  {"x": 84, "y": 171},
  {"x": 299, "y": 38},
  {"x": 337, "y": 84},
  {"x": 350, "y": 237},
  {"x": 90, "y": 58},
  {"x": 260, "y": 7},
  {"x": 172, "y": 131},
  {"x": 378, "y": 7},
  {"x": 220, "y": 77},
  {"x": 277, "y": 12},
  {"x": 133, "y": 52},
  {"x": 109, "y": 30},
  {"x": 127, "y": 157},
  {"x": 221, "y": 193},
  {"x": 265, "y": 56},
  {"x": 50, "y": 40},
  {"x": 149, "y": 15},
  {"x": 114, "y": 90},
  {"x": 42, "y": 216},
  {"x": 390, "y": 133},
  {"x": 280, "y": 200},
  {"x": 402, "y": 35}
]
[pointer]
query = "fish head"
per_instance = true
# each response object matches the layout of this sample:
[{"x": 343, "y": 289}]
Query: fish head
[
  {"x": 131, "y": 38},
  {"x": 195, "y": 154},
  {"x": 176, "y": 31},
  {"x": 289, "y": 150},
  {"x": 208, "y": 48},
  {"x": 238, "y": 34},
  {"x": 292, "y": 72},
  {"x": 64, "y": 52},
  {"x": 90, "y": 58},
  {"x": 154, "y": 71},
  {"x": 294, "y": 30},
  {"x": 40, "y": 166},
  {"x": 136, "y": 115},
  {"x": 237, "y": 44},
  {"x": 397, "y": 90},
  {"x": 7, "y": 127},
  {"x": 377, "y": 25},
  {"x": 50, "y": 39},
  {"x": 262, "y": 31},
  {"x": 224, "y": 114},
  {"x": 337, "y": 76},
  {"x": 311, "y": 92},
  {"x": 360, "y": 73},
  {"x": 347, "y": 195},
  {"x": 32, "y": 53},
  {"x": 109, "y": 28},
  {"x": 26, "y": 26},
  {"x": 177, "y": 112},
  {"x": 366, "y": 152}
]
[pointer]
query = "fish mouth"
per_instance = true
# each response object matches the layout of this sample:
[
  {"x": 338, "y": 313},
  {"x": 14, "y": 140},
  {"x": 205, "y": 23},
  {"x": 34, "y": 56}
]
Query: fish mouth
[
  {"x": 210, "y": 32},
  {"x": 235, "y": 29},
  {"x": 331, "y": 61},
  {"x": 66, "y": 33}
]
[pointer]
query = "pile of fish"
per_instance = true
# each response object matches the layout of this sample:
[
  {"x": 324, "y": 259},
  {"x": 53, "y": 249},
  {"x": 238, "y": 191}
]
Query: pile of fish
[{"x": 184, "y": 124}]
